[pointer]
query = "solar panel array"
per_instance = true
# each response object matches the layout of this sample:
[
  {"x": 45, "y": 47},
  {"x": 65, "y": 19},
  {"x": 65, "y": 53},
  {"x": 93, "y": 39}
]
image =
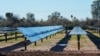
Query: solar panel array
[
  {"x": 77, "y": 31},
  {"x": 95, "y": 28},
  {"x": 36, "y": 33},
  {"x": 7, "y": 30}
]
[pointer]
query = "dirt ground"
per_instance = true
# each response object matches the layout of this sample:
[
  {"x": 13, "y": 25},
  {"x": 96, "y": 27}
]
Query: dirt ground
[
  {"x": 59, "y": 42},
  {"x": 85, "y": 44}
]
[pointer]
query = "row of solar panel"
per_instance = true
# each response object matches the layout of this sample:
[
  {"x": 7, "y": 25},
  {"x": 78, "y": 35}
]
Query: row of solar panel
[
  {"x": 36, "y": 33},
  {"x": 7, "y": 29},
  {"x": 95, "y": 28},
  {"x": 77, "y": 31},
  {"x": 4, "y": 30}
]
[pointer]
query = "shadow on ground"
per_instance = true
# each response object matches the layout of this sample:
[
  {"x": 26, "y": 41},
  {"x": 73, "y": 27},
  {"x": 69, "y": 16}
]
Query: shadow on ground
[
  {"x": 94, "y": 39},
  {"x": 15, "y": 46},
  {"x": 61, "y": 44}
]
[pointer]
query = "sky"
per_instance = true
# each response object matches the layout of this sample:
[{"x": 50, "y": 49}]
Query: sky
[{"x": 42, "y": 8}]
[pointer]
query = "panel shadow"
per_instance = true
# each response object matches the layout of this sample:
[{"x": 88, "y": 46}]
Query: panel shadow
[
  {"x": 61, "y": 44},
  {"x": 15, "y": 46},
  {"x": 94, "y": 39}
]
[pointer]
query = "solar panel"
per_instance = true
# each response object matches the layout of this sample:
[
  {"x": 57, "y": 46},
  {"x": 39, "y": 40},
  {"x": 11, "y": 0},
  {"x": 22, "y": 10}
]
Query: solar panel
[
  {"x": 77, "y": 31},
  {"x": 36, "y": 33},
  {"x": 7, "y": 30},
  {"x": 33, "y": 38}
]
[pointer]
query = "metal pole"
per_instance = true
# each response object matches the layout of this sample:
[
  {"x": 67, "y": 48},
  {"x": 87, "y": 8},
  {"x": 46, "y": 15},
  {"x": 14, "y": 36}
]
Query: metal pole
[
  {"x": 78, "y": 41},
  {"x": 50, "y": 36},
  {"x": 46, "y": 38},
  {"x": 11, "y": 33},
  {"x": 15, "y": 35},
  {"x": 25, "y": 44},
  {"x": 35, "y": 43},
  {"x": 6, "y": 37},
  {"x": 98, "y": 31},
  {"x": 41, "y": 40}
]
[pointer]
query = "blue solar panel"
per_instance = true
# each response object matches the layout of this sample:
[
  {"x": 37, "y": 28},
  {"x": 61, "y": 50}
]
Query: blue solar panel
[
  {"x": 7, "y": 30},
  {"x": 36, "y": 33},
  {"x": 77, "y": 31},
  {"x": 33, "y": 38}
]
